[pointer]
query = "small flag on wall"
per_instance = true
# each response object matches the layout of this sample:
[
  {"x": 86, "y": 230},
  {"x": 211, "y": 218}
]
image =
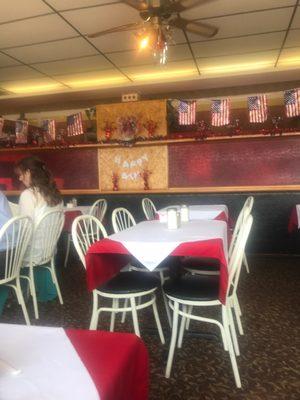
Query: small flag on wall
[
  {"x": 292, "y": 102},
  {"x": 258, "y": 110},
  {"x": 187, "y": 112},
  {"x": 48, "y": 125},
  {"x": 220, "y": 112},
  {"x": 74, "y": 124}
]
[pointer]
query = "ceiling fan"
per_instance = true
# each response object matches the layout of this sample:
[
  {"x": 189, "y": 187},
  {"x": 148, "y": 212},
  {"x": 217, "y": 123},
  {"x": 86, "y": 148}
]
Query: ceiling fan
[{"x": 158, "y": 14}]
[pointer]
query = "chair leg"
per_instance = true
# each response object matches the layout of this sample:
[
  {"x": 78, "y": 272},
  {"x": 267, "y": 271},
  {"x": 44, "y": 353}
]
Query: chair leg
[
  {"x": 67, "y": 250},
  {"x": 182, "y": 326},
  {"x": 233, "y": 331},
  {"x": 230, "y": 348},
  {"x": 55, "y": 281},
  {"x": 134, "y": 317},
  {"x": 33, "y": 293},
  {"x": 124, "y": 312},
  {"x": 173, "y": 340},
  {"x": 245, "y": 262},
  {"x": 167, "y": 309},
  {"x": 21, "y": 301},
  {"x": 237, "y": 313},
  {"x": 190, "y": 310},
  {"x": 157, "y": 320},
  {"x": 94, "y": 319},
  {"x": 115, "y": 304}
]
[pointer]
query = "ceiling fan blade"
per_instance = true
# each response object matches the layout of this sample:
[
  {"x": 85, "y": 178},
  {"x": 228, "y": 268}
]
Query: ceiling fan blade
[
  {"x": 194, "y": 27},
  {"x": 121, "y": 28},
  {"x": 182, "y": 5},
  {"x": 140, "y": 5}
]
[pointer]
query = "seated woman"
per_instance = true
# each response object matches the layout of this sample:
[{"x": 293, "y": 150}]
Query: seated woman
[{"x": 40, "y": 196}]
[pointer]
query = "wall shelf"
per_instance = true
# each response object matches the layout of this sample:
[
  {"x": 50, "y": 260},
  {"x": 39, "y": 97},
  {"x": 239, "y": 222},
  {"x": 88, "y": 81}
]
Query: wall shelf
[{"x": 149, "y": 142}]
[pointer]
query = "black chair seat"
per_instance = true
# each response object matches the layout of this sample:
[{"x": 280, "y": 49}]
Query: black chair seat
[
  {"x": 130, "y": 282},
  {"x": 193, "y": 287},
  {"x": 209, "y": 264}
]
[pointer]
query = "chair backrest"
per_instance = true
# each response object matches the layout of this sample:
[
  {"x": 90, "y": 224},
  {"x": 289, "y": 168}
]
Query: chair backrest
[
  {"x": 46, "y": 233},
  {"x": 245, "y": 211},
  {"x": 86, "y": 230},
  {"x": 121, "y": 219},
  {"x": 148, "y": 208},
  {"x": 235, "y": 261},
  {"x": 15, "y": 236},
  {"x": 98, "y": 209},
  {"x": 14, "y": 208}
]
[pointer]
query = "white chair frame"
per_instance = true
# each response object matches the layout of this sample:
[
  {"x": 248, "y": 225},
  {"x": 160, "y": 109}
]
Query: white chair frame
[
  {"x": 16, "y": 235},
  {"x": 98, "y": 209},
  {"x": 184, "y": 308},
  {"x": 87, "y": 229},
  {"x": 121, "y": 219},
  {"x": 51, "y": 224},
  {"x": 14, "y": 208},
  {"x": 149, "y": 209}
]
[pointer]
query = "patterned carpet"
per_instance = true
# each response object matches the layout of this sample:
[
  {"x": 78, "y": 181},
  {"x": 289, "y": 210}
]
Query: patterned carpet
[{"x": 270, "y": 348}]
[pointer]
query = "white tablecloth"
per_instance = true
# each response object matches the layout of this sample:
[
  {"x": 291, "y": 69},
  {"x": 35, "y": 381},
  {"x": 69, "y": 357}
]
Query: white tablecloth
[
  {"x": 50, "y": 367},
  {"x": 202, "y": 212},
  {"x": 298, "y": 214},
  {"x": 151, "y": 241},
  {"x": 83, "y": 209}
]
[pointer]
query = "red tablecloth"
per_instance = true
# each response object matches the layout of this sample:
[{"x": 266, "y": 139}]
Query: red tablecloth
[
  {"x": 117, "y": 363},
  {"x": 105, "y": 259},
  {"x": 293, "y": 221},
  {"x": 69, "y": 218}
]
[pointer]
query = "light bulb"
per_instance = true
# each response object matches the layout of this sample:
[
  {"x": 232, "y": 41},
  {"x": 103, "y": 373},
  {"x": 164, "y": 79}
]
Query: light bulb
[{"x": 144, "y": 42}]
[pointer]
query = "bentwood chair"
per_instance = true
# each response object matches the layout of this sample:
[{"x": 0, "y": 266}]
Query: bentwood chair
[
  {"x": 15, "y": 236},
  {"x": 42, "y": 251},
  {"x": 98, "y": 209},
  {"x": 196, "y": 291},
  {"x": 14, "y": 208},
  {"x": 149, "y": 209},
  {"x": 128, "y": 286}
]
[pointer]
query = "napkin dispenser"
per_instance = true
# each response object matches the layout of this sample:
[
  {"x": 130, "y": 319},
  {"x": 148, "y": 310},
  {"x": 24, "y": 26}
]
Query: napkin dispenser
[
  {"x": 172, "y": 218},
  {"x": 184, "y": 213}
]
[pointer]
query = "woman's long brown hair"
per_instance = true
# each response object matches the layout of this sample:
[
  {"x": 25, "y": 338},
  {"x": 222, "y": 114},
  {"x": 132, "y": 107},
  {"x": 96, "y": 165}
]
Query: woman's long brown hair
[{"x": 41, "y": 179}]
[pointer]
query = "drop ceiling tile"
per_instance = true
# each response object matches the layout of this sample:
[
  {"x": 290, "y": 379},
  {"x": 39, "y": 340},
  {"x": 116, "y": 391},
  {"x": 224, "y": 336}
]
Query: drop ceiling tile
[
  {"x": 172, "y": 70},
  {"x": 18, "y": 73},
  {"x": 286, "y": 54},
  {"x": 69, "y": 4},
  {"x": 293, "y": 38},
  {"x": 22, "y": 9},
  {"x": 246, "y": 44},
  {"x": 237, "y": 25},
  {"x": 136, "y": 57},
  {"x": 50, "y": 27},
  {"x": 296, "y": 20},
  {"x": 268, "y": 56},
  {"x": 63, "y": 49},
  {"x": 77, "y": 65},
  {"x": 92, "y": 79},
  {"x": 95, "y": 19},
  {"x": 5, "y": 61},
  {"x": 223, "y": 7}
]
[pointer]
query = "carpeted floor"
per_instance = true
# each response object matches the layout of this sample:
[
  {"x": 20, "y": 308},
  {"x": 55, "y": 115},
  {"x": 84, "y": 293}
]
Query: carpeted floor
[{"x": 270, "y": 349}]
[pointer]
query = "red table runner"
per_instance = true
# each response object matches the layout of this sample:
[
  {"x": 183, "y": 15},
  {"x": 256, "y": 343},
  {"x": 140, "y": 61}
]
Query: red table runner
[
  {"x": 69, "y": 218},
  {"x": 293, "y": 221},
  {"x": 105, "y": 259},
  {"x": 117, "y": 363}
]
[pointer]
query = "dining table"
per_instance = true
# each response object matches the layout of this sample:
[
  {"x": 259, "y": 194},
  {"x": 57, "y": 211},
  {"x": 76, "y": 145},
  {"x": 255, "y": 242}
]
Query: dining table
[
  {"x": 151, "y": 242},
  {"x": 294, "y": 219},
  {"x": 199, "y": 211},
  {"x": 71, "y": 213},
  {"x": 51, "y": 363}
]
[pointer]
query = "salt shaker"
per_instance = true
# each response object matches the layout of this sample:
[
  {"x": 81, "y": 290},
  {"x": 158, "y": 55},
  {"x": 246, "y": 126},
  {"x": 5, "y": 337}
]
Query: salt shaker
[
  {"x": 184, "y": 213},
  {"x": 172, "y": 218}
]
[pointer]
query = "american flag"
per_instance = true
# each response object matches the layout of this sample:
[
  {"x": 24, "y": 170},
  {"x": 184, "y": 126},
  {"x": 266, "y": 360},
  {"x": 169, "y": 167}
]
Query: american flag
[
  {"x": 258, "y": 110},
  {"x": 48, "y": 125},
  {"x": 187, "y": 112},
  {"x": 292, "y": 102},
  {"x": 220, "y": 112},
  {"x": 74, "y": 124}
]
